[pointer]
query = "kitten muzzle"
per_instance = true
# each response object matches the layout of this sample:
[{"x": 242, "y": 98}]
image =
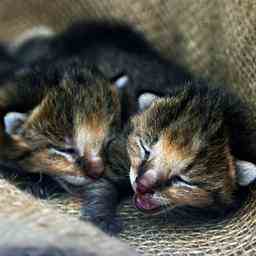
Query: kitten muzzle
[
  {"x": 94, "y": 167},
  {"x": 144, "y": 187},
  {"x": 146, "y": 203}
]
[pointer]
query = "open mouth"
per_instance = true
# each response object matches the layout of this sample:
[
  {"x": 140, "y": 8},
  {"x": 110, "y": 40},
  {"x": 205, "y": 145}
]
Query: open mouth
[{"x": 147, "y": 203}]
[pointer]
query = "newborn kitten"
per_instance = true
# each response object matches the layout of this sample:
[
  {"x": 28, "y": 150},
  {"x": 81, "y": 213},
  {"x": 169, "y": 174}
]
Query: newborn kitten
[
  {"x": 183, "y": 149},
  {"x": 67, "y": 117},
  {"x": 184, "y": 143}
]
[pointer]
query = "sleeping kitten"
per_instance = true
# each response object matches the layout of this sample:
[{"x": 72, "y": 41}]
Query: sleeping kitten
[
  {"x": 196, "y": 120},
  {"x": 67, "y": 117},
  {"x": 183, "y": 149},
  {"x": 184, "y": 143}
]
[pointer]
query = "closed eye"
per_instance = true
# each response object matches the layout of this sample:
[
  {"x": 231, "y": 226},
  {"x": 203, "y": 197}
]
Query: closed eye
[
  {"x": 71, "y": 151},
  {"x": 178, "y": 181},
  {"x": 146, "y": 151},
  {"x": 70, "y": 154}
]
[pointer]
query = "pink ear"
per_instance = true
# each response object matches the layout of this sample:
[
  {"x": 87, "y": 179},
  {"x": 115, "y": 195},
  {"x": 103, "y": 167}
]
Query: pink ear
[
  {"x": 245, "y": 172},
  {"x": 146, "y": 99},
  {"x": 122, "y": 81},
  {"x": 13, "y": 120}
]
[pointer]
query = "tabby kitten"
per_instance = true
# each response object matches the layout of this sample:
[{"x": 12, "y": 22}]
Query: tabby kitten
[
  {"x": 183, "y": 149},
  {"x": 67, "y": 117}
]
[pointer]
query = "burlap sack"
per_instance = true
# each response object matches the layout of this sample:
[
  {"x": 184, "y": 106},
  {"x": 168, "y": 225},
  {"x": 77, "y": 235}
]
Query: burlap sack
[
  {"x": 214, "y": 39},
  {"x": 30, "y": 227}
]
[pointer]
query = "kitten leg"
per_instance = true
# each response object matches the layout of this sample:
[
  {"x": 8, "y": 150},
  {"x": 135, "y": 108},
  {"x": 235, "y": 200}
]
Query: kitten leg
[{"x": 101, "y": 200}]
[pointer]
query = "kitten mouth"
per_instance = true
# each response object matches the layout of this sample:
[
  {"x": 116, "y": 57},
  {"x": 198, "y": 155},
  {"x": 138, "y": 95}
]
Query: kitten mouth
[{"x": 147, "y": 203}]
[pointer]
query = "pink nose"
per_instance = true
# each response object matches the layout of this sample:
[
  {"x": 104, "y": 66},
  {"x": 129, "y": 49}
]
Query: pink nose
[
  {"x": 147, "y": 182},
  {"x": 94, "y": 167},
  {"x": 141, "y": 188}
]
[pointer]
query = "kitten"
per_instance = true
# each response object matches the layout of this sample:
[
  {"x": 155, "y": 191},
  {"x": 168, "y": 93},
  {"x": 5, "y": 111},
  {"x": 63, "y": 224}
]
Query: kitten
[
  {"x": 116, "y": 49},
  {"x": 126, "y": 50},
  {"x": 183, "y": 149},
  {"x": 67, "y": 117}
]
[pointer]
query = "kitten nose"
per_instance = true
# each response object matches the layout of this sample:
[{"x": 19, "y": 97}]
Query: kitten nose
[
  {"x": 93, "y": 166},
  {"x": 146, "y": 182},
  {"x": 142, "y": 188}
]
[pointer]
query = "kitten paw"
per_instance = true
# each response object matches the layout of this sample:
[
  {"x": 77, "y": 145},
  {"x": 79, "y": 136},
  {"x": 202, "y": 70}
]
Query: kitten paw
[
  {"x": 111, "y": 226},
  {"x": 37, "y": 191}
]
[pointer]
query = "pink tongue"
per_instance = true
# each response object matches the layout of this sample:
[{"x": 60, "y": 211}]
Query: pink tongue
[{"x": 146, "y": 202}]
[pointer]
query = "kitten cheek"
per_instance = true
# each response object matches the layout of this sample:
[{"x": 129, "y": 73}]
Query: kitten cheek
[
  {"x": 13, "y": 148},
  {"x": 135, "y": 163},
  {"x": 133, "y": 176},
  {"x": 195, "y": 197},
  {"x": 63, "y": 167}
]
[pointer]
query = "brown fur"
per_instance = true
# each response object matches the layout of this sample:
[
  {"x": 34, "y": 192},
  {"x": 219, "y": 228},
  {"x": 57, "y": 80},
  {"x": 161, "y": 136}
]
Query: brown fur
[{"x": 189, "y": 136}]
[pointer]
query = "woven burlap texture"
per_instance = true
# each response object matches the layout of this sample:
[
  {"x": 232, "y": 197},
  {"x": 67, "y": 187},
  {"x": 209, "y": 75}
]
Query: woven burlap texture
[
  {"x": 214, "y": 39},
  {"x": 37, "y": 227}
]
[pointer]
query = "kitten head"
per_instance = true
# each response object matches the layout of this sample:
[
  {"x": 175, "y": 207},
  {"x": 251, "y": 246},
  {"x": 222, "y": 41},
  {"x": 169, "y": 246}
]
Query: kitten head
[
  {"x": 67, "y": 133},
  {"x": 180, "y": 154}
]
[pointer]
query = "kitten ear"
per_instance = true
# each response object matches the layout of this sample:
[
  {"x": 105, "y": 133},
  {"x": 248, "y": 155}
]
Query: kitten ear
[
  {"x": 146, "y": 99},
  {"x": 13, "y": 146},
  {"x": 13, "y": 121},
  {"x": 245, "y": 172},
  {"x": 121, "y": 81}
]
